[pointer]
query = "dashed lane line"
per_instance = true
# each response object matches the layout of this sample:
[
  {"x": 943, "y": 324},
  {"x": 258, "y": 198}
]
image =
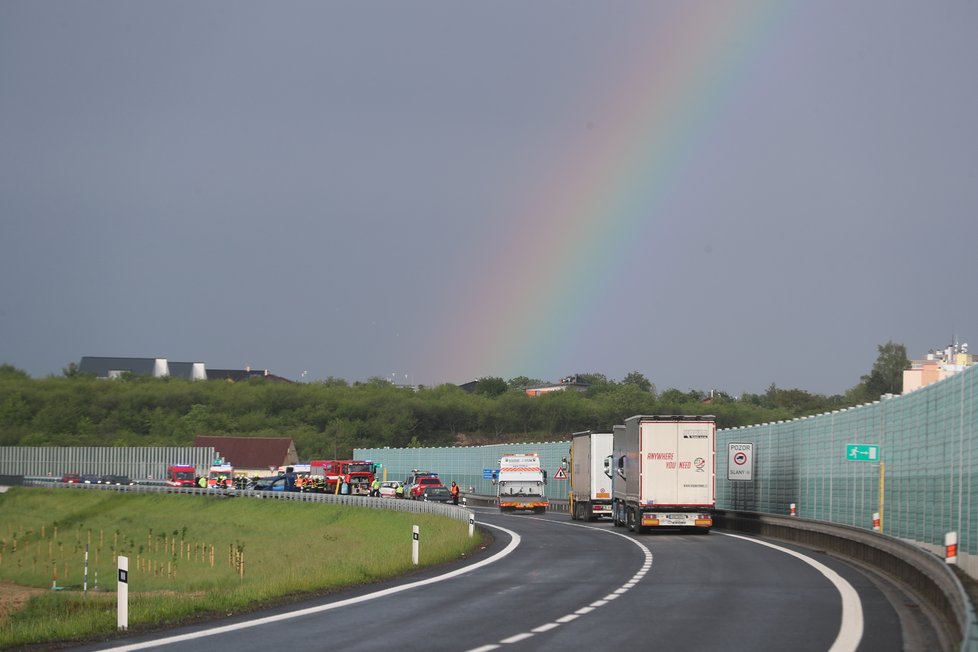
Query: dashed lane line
[
  {"x": 850, "y": 628},
  {"x": 546, "y": 627}
]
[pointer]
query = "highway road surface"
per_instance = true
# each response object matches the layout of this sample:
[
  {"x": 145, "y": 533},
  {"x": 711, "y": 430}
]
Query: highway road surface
[{"x": 549, "y": 583}]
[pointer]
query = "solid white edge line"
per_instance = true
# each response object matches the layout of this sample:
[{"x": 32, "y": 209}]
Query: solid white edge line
[
  {"x": 513, "y": 544},
  {"x": 851, "y": 625}
]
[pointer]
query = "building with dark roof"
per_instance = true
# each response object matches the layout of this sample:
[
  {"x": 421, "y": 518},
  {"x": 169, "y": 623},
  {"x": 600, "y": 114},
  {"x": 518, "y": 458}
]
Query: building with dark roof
[
  {"x": 252, "y": 455},
  {"x": 162, "y": 368},
  {"x": 155, "y": 367},
  {"x": 236, "y": 375}
]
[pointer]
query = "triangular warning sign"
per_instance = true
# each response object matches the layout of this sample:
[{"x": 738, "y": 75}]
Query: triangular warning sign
[{"x": 560, "y": 474}]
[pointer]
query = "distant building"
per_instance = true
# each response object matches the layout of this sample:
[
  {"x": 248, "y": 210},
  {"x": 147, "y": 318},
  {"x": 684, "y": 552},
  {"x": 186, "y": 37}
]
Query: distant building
[
  {"x": 938, "y": 365},
  {"x": 570, "y": 382},
  {"x": 155, "y": 367},
  {"x": 252, "y": 455},
  {"x": 162, "y": 368},
  {"x": 235, "y": 375}
]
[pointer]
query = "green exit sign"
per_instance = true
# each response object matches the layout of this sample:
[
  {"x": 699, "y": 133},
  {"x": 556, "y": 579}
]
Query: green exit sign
[{"x": 862, "y": 453}]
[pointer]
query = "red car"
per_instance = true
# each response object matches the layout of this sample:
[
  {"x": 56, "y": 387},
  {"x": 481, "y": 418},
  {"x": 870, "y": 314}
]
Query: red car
[
  {"x": 72, "y": 478},
  {"x": 423, "y": 483}
]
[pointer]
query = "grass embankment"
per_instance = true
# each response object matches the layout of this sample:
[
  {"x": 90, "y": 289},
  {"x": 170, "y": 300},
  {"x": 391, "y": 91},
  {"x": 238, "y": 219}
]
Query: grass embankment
[{"x": 191, "y": 556}]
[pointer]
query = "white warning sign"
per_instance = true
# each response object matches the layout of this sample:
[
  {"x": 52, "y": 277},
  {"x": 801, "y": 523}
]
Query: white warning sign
[{"x": 740, "y": 461}]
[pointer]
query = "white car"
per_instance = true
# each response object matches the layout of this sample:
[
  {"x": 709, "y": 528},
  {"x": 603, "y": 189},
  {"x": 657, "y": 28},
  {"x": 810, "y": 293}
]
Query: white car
[{"x": 389, "y": 489}]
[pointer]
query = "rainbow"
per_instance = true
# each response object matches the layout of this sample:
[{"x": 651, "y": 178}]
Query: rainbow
[{"x": 522, "y": 322}]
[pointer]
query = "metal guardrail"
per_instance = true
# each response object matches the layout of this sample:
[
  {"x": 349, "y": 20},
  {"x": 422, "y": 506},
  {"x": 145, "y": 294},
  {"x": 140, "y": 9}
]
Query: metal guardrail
[
  {"x": 456, "y": 512},
  {"x": 924, "y": 573}
]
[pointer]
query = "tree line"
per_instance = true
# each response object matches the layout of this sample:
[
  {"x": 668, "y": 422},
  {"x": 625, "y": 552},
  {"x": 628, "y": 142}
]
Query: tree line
[{"x": 327, "y": 419}]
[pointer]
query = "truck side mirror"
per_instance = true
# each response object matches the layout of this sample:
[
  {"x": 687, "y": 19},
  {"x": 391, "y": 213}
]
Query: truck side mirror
[
  {"x": 544, "y": 475},
  {"x": 621, "y": 467},
  {"x": 607, "y": 466}
]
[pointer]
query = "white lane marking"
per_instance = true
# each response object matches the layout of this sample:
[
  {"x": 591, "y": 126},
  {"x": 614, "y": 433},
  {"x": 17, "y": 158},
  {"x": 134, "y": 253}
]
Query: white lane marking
[
  {"x": 513, "y": 544},
  {"x": 517, "y": 638},
  {"x": 851, "y": 627},
  {"x": 632, "y": 581}
]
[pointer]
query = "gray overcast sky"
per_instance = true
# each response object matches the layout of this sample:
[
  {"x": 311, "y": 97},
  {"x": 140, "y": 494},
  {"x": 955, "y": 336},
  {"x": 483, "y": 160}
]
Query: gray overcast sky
[{"x": 716, "y": 195}]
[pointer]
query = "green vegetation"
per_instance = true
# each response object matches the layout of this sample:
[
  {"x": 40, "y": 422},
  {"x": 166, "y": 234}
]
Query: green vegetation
[
  {"x": 191, "y": 556},
  {"x": 328, "y": 419}
]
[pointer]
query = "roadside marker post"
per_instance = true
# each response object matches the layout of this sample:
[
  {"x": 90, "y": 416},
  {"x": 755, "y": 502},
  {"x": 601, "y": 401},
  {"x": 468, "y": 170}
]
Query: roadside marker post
[
  {"x": 122, "y": 615},
  {"x": 471, "y": 525},
  {"x": 415, "y": 536}
]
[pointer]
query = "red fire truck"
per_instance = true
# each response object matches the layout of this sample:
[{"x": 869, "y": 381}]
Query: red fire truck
[
  {"x": 180, "y": 475},
  {"x": 356, "y": 474},
  {"x": 221, "y": 476}
]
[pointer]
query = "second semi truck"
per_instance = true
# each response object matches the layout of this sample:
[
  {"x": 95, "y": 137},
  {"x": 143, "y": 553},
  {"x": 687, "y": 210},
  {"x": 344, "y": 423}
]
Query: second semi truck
[
  {"x": 664, "y": 472},
  {"x": 590, "y": 475}
]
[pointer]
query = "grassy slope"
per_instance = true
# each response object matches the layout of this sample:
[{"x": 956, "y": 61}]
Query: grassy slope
[{"x": 190, "y": 556}]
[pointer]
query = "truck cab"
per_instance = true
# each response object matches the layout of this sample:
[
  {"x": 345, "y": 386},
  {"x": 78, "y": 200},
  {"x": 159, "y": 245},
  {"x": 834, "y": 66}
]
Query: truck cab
[
  {"x": 221, "y": 477},
  {"x": 415, "y": 477},
  {"x": 417, "y": 489},
  {"x": 180, "y": 475},
  {"x": 521, "y": 484}
]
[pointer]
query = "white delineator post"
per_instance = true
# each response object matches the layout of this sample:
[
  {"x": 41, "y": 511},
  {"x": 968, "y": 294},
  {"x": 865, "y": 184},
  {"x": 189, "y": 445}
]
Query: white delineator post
[
  {"x": 471, "y": 525},
  {"x": 415, "y": 534},
  {"x": 123, "y": 593}
]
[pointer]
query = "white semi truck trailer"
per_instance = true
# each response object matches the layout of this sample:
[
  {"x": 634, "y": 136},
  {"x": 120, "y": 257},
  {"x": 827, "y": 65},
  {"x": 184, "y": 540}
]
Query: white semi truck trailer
[
  {"x": 590, "y": 475},
  {"x": 664, "y": 472}
]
